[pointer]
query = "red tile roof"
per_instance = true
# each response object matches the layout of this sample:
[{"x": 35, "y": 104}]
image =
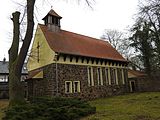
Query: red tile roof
[
  {"x": 76, "y": 44},
  {"x": 137, "y": 73},
  {"x": 33, "y": 73}
]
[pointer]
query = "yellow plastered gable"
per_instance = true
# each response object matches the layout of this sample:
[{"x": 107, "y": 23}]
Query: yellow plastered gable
[{"x": 41, "y": 54}]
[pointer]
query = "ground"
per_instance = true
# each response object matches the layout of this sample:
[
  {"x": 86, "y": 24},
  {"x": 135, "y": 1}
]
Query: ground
[{"x": 134, "y": 106}]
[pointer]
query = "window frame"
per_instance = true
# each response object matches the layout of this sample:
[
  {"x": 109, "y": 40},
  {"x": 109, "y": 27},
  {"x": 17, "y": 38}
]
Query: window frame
[
  {"x": 119, "y": 75},
  {"x": 78, "y": 86},
  {"x": 107, "y": 77},
  {"x": 99, "y": 76},
  {"x": 113, "y": 76},
  {"x": 70, "y": 87},
  {"x": 125, "y": 75},
  {"x": 90, "y": 76}
]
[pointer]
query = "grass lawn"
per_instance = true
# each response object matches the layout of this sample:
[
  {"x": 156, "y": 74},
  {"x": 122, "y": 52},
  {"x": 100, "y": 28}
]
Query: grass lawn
[
  {"x": 3, "y": 105},
  {"x": 136, "y": 106}
]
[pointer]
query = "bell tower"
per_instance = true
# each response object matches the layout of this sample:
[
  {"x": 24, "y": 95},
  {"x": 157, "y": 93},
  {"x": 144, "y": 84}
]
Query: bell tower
[{"x": 52, "y": 21}]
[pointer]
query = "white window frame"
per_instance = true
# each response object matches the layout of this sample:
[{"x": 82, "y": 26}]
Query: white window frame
[
  {"x": 90, "y": 76},
  {"x": 107, "y": 76},
  {"x": 116, "y": 76},
  {"x": 99, "y": 76},
  {"x": 123, "y": 82},
  {"x": 70, "y": 87},
  {"x": 120, "y": 76},
  {"x": 78, "y": 86},
  {"x": 113, "y": 76}
]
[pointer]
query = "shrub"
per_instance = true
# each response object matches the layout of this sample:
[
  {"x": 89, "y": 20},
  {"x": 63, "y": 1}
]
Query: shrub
[{"x": 50, "y": 109}]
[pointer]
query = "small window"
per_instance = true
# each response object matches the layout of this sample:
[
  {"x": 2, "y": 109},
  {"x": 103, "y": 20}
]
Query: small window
[
  {"x": 125, "y": 75},
  {"x": 53, "y": 20},
  {"x": 123, "y": 81},
  {"x": 46, "y": 21},
  {"x": 76, "y": 85},
  {"x": 113, "y": 75},
  {"x": 68, "y": 87},
  {"x": 107, "y": 76},
  {"x": 120, "y": 79},
  {"x": 56, "y": 21},
  {"x": 99, "y": 76},
  {"x": 90, "y": 76}
]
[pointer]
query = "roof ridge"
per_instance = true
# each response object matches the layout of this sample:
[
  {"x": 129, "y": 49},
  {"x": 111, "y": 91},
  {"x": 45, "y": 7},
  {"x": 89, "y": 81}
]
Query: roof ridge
[
  {"x": 93, "y": 38},
  {"x": 85, "y": 35}
]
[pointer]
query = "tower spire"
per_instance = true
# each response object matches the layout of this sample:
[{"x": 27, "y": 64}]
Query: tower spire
[{"x": 52, "y": 20}]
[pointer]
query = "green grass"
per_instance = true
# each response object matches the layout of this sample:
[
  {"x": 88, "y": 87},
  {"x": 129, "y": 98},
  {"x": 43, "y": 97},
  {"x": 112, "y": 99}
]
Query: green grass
[
  {"x": 136, "y": 106},
  {"x": 3, "y": 105}
]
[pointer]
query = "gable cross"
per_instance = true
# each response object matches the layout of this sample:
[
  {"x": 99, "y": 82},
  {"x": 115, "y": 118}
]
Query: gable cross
[{"x": 38, "y": 46}]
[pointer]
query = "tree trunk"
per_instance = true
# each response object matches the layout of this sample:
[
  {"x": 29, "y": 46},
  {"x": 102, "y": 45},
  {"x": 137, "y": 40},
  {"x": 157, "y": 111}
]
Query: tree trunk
[
  {"x": 15, "y": 87},
  {"x": 16, "y": 90}
]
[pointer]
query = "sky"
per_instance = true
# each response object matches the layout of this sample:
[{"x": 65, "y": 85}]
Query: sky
[{"x": 76, "y": 17}]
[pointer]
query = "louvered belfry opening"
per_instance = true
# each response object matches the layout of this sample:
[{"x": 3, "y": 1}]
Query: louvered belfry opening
[{"x": 52, "y": 21}]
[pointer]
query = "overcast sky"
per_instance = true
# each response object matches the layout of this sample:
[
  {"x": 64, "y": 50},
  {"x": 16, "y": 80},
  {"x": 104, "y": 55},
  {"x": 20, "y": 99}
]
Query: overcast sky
[{"x": 78, "y": 18}]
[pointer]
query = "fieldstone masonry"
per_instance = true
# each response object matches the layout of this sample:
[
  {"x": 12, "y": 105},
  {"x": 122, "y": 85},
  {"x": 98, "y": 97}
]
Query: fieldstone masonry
[
  {"x": 147, "y": 84},
  {"x": 65, "y": 72}
]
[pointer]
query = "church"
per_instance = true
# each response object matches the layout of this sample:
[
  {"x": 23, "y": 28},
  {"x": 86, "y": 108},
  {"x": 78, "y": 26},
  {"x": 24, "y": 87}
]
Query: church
[{"x": 67, "y": 64}]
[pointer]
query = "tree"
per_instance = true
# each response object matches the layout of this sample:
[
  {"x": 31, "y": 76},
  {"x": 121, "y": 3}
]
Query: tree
[
  {"x": 142, "y": 43},
  {"x": 136, "y": 63},
  {"x": 17, "y": 58},
  {"x": 118, "y": 40},
  {"x": 149, "y": 10},
  {"x": 146, "y": 34}
]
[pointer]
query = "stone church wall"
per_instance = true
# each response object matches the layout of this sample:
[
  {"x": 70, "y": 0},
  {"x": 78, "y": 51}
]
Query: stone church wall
[
  {"x": 146, "y": 83},
  {"x": 65, "y": 72}
]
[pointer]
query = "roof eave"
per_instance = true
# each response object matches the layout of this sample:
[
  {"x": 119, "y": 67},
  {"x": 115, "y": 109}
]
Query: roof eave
[{"x": 93, "y": 57}]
